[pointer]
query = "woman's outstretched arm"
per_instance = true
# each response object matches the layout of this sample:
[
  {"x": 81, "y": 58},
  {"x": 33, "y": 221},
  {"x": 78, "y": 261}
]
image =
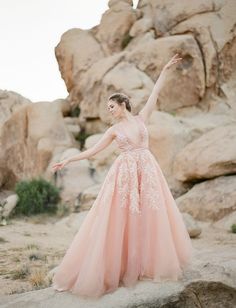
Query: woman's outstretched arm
[
  {"x": 150, "y": 105},
  {"x": 104, "y": 141}
]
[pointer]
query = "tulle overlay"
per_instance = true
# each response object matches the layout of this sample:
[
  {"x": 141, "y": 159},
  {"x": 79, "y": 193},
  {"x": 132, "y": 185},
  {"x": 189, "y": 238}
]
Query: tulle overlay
[{"x": 133, "y": 231}]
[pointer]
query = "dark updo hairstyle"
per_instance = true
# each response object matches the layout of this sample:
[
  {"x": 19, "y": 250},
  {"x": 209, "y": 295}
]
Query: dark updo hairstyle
[{"x": 119, "y": 98}]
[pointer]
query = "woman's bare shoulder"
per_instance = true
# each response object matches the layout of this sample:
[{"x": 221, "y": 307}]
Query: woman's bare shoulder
[{"x": 113, "y": 130}]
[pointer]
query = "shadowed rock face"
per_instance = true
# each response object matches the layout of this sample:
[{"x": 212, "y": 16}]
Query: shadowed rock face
[{"x": 204, "y": 294}]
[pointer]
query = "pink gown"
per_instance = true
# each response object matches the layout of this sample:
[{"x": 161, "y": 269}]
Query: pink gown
[{"x": 133, "y": 231}]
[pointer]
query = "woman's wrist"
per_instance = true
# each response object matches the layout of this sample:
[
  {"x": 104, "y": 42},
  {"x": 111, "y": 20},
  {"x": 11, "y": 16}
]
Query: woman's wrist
[{"x": 165, "y": 68}]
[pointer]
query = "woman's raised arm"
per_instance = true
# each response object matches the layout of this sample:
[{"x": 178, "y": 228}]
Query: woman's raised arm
[{"x": 146, "y": 111}]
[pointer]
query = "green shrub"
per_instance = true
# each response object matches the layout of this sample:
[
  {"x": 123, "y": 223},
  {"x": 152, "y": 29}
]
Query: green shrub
[
  {"x": 36, "y": 196},
  {"x": 233, "y": 228},
  {"x": 75, "y": 112}
]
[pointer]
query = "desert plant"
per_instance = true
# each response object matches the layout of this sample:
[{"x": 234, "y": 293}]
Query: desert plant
[
  {"x": 21, "y": 271},
  {"x": 62, "y": 210},
  {"x": 36, "y": 196},
  {"x": 34, "y": 255},
  {"x": 38, "y": 278},
  {"x": 233, "y": 228},
  {"x": 32, "y": 246}
]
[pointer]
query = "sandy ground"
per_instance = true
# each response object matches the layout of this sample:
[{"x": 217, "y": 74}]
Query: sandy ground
[{"x": 31, "y": 247}]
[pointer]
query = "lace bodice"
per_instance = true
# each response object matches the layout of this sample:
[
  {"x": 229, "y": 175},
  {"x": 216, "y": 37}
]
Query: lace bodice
[{"x": 126, "y": 143}]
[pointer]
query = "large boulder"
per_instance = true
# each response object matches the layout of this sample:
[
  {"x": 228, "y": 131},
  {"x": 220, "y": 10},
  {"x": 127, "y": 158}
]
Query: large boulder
[
  {"x": 28, "y": 139},
  {"x": 211, "y": 155},
  {"x": 210, "y": 200},
  {"x": 141, "y": 26},
  {"x": 7, "y": 205},
  {"x": 185, "y": 85},
  {"x": 73, "y": 179},
  {"x": 215, "y": 32},
  {"x": 192, "y": 225},
  {"x": 89, "y": 86},
  {"x": 103, "y": 159},
  {"x": 75, "y": 53},
  {"x": 170, "y": 134},
  {"x": 168, "y": 14},
  {"x": 226, "y": 222},
  {"x": 9, "y": 102},
  {"x": 119, "y": 17}
]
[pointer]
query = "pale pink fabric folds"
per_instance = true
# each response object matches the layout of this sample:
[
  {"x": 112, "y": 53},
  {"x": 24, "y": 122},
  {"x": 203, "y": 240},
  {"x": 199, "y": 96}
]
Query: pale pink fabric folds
[{"x": 134, "y": 229}]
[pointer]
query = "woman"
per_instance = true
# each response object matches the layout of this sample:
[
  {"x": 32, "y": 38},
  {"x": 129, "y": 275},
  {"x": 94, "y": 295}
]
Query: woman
[{"x": 134, "y": 230}]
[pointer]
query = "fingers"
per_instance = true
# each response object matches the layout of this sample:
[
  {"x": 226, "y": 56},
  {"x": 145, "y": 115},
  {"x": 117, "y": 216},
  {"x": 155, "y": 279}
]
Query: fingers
[
  {"x": 57, "y": 166},
  {"x": 176, "y": 58}
]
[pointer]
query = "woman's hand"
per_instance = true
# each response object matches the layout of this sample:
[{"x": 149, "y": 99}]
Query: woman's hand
[
  {"x": 60, "y": 165},
  {"x": 172, "y": 61}
]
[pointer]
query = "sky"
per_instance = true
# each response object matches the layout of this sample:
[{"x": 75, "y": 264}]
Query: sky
[{"x": 29, "y": 32}]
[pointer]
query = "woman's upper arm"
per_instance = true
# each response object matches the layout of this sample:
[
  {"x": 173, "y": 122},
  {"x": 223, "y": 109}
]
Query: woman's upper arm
[{"x": 144, "y": 115}]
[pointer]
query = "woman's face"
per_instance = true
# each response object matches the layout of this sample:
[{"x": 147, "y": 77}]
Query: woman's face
[{"x": 114, "y": 109}]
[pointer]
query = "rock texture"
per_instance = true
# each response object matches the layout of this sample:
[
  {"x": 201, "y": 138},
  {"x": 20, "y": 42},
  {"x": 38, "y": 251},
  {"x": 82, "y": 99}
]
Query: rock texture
[
  {"x": 192, "y": 225},
  {"x": 28, "y": 139},
  {"x": 7, "y": 205},
  {"x": 151, "y": 58},
  {"x": 172, "y": 140},
  {"x": 73, "y": 179},
  {"x": 212, "y": 154},
  {"x": 210, "y": 200},
  {"x": 9, "y": 102}
]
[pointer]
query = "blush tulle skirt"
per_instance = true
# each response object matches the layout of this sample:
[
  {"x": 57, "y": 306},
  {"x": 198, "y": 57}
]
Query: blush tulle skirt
[{"x": 133, "y": 231}]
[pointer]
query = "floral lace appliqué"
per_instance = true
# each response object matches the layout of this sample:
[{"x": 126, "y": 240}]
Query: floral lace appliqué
[
  {"x": 133, "y": 176},
  {"x": 138, "y": 182}
]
